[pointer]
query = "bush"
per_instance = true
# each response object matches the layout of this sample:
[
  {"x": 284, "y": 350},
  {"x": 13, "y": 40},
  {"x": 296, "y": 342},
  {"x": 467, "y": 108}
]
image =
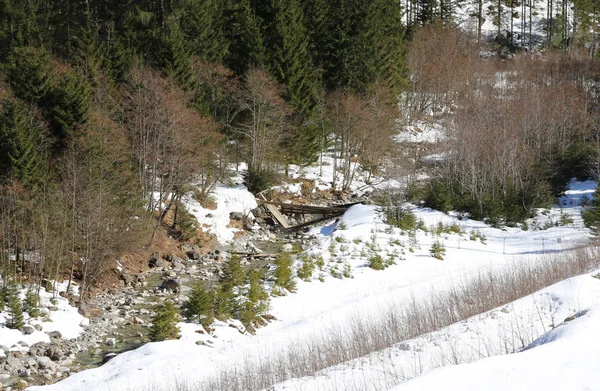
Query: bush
[
  {"x": 400, "y": 217},
  {"x": 376, "y": 262},
  {"x": 259, "y": 180},
  {"x": 307, "y": 268},
  {"x": 437, "y": 250},
  {"x": 164, "y": 323}
]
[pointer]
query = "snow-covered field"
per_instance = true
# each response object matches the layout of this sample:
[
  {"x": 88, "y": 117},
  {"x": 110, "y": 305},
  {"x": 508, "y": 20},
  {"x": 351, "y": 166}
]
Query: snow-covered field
[
  {"x": 60, "y": 317},
  {"x": 317, "y": 307}
]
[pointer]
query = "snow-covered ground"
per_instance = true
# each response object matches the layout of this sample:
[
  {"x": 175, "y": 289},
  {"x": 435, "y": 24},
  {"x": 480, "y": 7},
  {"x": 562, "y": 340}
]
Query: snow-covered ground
[
  {"x": 565, "y": 358},
  {"x": 231, "y": 197},
  {"x": 317, "y": 306},
  {"x": 60, "y": 317}
]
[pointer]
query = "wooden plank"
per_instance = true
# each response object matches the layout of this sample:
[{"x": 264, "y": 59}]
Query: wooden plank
[
  {"x": 278, "y": 216},
  {"x": 312, "y": 208},
  {"x": 315, "y": 221}
]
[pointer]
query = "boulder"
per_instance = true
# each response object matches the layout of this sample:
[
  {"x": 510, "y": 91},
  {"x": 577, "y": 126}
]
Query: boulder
[
  {"x": 194, "y": 255},
  {"x": 236, "y": 216},
  {"x": 107, "y": 357},
  {"x": 27, "y": 329},
  {"x": 83, "y": 310},
  {"x": 156, "y": 262},
  {"x": 55, "y": 353},
  {"x": 171, "y": 285},
  {"x": 54, "y": 335},
  {"x": 45, "y": 363}
]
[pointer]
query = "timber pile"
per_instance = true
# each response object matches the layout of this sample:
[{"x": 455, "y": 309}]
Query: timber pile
[{"x": 279, "y": 209}]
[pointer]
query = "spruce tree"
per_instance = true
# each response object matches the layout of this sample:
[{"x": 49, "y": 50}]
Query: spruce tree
[
  {"x": 164, "y": 323},
  {"x": 386, "y": 37},
  {"x": 23, "y": 153},
  {"x": 284, "y": 278},
  {"x": 233, "y": 273},
  {"x": 31, "y": 303},
  {"x": 15, "y": 311},
  {"x": 289, "y": 56},
  {"x": 68, "y": 104},
  {"x": 29, "y": 73},
  {"x": 204, "y": 27},
  {"x": 174, "y": 56},
  {"x": 224, "y": 302},
  {"x": 257, "y": 299},
  {"x": 242, "y": 32},
  {"x": 199, "y": 307}
]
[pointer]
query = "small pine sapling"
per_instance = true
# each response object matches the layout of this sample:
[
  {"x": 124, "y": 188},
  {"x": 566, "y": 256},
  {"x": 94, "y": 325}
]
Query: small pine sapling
[
  {"x": 15, "y": 310},
  {"x": 437, "y": 250},
  {"x": 164, "y": 323},
  {"x": 307, "y": 268},
  {"x": 199, "y": 307},
  {"x": 284, "y": 278},
  {"x": 376, "y": 262},
  {"x": 31, "y": 303}
]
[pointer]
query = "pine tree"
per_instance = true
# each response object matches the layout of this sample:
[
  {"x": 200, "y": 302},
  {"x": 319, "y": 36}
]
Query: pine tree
[
  {"x": 199, "y": 307},
  {"x": 243, "y": 36},
  {"x": 386, "y": 36},
  {"x": 224, "y": 302},
  {"x": 289, "y": 56},
  {"x": 15, "y": 311},
  {"x": 23, "y": 153},
  {"x": 257, "y": 299},
  {"x": 68, "y": 104},
  {"x": 164, "y": 323},
  {"x": 284, "y": 278},
  {"x": 31, "y": 303},
  {"x": 233, "y": 273},
  {"x": 203, "y": 25},
  {"x": 29, "y": 73}
]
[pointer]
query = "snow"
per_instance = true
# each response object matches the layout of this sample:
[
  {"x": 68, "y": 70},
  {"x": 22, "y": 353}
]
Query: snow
[
  {"x": 233, "y": 197},
  {"x": 319, "y": 306},
  {"x": 63, "y": 318},
  {"x": 565, "y": 358}
]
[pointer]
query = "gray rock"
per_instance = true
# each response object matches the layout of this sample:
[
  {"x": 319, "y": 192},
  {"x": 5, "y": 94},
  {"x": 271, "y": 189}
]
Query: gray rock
[
  {"x": 108, "y": 357},
  {"x": 37, "y": 326},
  {"x": 27, "y": 329},
  {"x": 236, "y": 216},
  {"x": 194, "y": 255},
  {"x": 55, "y": 353},
  {"x": 156, "y": 262},
  {"x": 171, "y": 285},
  {"x": 83, "y": 310},
  {"x": 45, "y": 363}
]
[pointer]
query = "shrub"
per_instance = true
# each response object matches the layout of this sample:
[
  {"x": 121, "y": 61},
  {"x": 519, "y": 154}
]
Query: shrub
[
  {"x": 400, "y": 217},
  {"x": 164, "y": 323},
  {"x": 307, "y": 268},
  {"x": 376, "y": 262},
  {"x": 259, "y": 180},
  {"x": 437, "y": 250}
]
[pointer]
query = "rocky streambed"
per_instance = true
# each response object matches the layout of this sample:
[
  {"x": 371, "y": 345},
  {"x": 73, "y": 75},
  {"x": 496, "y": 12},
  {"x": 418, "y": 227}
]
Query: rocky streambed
[{"x": 119, "y": 319}]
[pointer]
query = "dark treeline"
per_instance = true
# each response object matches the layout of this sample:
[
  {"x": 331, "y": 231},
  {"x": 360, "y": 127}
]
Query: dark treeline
[{"x": 111, "y": 109}]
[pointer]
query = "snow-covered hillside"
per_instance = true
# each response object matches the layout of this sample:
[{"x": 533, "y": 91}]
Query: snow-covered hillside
[
  {"x": 320, "y": 307},
  {"x": 565, "y": 358}
]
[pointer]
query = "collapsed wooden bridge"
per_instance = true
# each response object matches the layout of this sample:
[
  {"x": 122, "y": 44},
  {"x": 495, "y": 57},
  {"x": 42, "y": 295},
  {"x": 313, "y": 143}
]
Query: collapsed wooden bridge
[{"x": 319, "y": 213}]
